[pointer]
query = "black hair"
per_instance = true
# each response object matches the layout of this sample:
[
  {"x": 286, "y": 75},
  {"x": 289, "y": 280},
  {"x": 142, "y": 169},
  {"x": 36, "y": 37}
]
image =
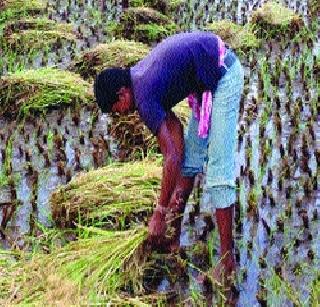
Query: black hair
[{"x": 107, "y": 84}]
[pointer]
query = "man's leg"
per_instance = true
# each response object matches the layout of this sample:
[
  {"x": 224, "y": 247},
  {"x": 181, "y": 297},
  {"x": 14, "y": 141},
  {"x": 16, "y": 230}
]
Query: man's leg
[
  {"x": 224, "y": 219},
  {"x": 220, "y": 177}
]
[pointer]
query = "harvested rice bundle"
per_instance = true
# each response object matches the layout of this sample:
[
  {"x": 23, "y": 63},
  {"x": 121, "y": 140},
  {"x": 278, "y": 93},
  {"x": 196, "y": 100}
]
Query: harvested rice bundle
[
  {"x": 119, "y": 53},
  {"x": 94, "y": 269},
  {"x": 35, "y": 91},
  {"x": 36, "y": 40},
  {"x": 111, "y": 196},
  {"x": 23, "y": 5},
  {"x": 144, "y": 24},
  {"x": 166, "y": 7},
  {"x": 25, "y": 35},
  {"x": 273, "y": 19},
  {"x": 240, "y": 38},
  {"x": 37, "y": 23}
]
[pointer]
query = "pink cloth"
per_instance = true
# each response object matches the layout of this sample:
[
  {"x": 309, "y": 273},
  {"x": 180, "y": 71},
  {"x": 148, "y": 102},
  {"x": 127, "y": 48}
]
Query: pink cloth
[
  {"x": 222, "y": 51},
  {"x": 203, "y": 113}
]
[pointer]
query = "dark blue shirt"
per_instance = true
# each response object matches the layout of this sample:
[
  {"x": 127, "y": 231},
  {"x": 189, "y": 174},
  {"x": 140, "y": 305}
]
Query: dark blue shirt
[{"x": 181, "y": 64}]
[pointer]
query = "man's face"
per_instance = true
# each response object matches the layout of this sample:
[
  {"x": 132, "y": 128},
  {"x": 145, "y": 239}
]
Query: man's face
[{"x": 125, "y": 101}]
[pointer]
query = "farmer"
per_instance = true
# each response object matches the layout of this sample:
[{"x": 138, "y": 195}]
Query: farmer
[{"x": 197, "y": 65}]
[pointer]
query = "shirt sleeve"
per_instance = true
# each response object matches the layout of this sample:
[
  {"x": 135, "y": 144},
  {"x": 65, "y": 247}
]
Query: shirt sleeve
[{"x": 152, "y": 114}]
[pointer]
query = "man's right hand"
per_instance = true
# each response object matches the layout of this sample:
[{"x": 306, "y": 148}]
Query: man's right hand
[{"x": 157, "y": 227}]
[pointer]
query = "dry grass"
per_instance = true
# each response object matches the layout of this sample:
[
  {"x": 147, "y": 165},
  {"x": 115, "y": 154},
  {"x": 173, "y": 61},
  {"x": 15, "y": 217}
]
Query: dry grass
[{"x": 134, "y": 140}]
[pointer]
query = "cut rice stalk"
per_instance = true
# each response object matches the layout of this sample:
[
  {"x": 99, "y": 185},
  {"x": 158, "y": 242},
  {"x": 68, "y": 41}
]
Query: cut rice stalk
[
  {"x": 99, "y": 266},
  {"x": 108, "y": 195}
]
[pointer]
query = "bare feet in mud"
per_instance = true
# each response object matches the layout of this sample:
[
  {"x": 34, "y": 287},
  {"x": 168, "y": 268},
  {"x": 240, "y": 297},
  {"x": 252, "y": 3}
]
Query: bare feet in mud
[
  {"x": 224, "y": 274},
  {"x": 225, "y": 269}
]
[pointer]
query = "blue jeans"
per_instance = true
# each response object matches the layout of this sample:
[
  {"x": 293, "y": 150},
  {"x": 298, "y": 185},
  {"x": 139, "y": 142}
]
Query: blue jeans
[{"x": 217, "y": 152}]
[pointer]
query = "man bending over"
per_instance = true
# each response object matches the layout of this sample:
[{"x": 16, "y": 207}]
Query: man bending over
[{"x": 197, "y": 65}]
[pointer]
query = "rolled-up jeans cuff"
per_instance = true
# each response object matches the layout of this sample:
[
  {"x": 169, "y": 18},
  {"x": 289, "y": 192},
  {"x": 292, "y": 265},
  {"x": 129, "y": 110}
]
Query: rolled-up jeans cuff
[
  {"x": 190, "y": 171},
  {"x": 222, "y": 196}
]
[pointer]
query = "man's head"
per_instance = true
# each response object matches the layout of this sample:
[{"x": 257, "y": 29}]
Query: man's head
[{"x": 112, "y": 88}]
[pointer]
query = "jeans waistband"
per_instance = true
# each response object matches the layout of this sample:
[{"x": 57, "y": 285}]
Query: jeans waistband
[{"x": 229, "y": 58}]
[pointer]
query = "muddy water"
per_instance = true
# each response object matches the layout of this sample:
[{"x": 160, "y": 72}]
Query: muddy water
[
  {"x": 283, "y": 232},
  {"x": 273, "y": 165},
  {"x": 47, "y": 153}
]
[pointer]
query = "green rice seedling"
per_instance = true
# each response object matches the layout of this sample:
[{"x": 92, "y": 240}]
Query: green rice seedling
[
  {"x": 280, "y": 288},
  {"x": 46, "y": 240},
  {"x": 196, "y": 298},
  {"x": 24, "y": 5},
  {"x": 315, "y": 292},
  {"x": 9, "y": 150},
  {"x": 35, "y": 91},
  {"x": 109, "y": 196},
  {"x": 118, "y": 53},
  {"x": 213, "y": 247},
  {"x": 252, "y": 201},
  {"x": 219, "y": 288},
  {"x": 99, "y": 266},
  {"x": 13, "y": 61},
  {"x": 136, "y": 3},
  {"x": 240, "y": 38},
  {"x": 3, "y": 179}
]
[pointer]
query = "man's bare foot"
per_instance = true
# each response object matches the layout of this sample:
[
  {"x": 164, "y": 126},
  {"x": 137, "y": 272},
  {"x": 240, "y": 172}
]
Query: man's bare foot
[
  {"x": 225, "y": 269},
  {"x": 224, "y": 275}
]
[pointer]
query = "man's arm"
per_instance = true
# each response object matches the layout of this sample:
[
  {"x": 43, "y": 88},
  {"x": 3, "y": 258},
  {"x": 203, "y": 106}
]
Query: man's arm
[{"x": 170, "y": 139}]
